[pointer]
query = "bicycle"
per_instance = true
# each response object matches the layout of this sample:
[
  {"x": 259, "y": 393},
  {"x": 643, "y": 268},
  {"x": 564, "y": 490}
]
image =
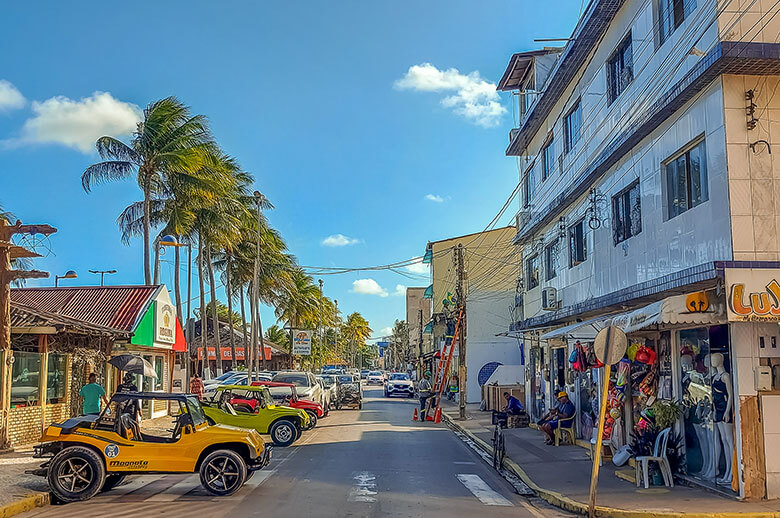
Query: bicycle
[{"x": 499, "y": 419}]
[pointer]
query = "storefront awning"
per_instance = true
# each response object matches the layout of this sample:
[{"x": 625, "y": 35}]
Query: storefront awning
[
  {"x": 671, "y": 311},
  {"x": 428, "y": 294},
  {"x": 586, "y": 330}
]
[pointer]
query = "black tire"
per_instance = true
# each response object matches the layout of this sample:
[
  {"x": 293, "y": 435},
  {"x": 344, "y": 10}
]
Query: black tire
[
  {"x": 312, "y": 417},
  {"x": 360, "y": 406},
  {"x": 223, "y": 472},
  {"x": 283, "y": 432},
  {"x": 111, "y": 482},
  {"x": 76, "y": 474}
]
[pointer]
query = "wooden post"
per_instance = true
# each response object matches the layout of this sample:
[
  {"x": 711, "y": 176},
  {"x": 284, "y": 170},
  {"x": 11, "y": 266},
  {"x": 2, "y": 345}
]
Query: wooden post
[
  {"x": 43, "y": 378},
  {"x": 594, "y": 477}
]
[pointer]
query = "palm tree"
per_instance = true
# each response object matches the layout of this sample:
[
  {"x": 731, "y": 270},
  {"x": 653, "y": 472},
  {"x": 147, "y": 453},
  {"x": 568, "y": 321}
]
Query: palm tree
[
  {"x": 355, "y": 331},
  {"x": 276, "y": 334},
  {"x": 169, "y": 143}
]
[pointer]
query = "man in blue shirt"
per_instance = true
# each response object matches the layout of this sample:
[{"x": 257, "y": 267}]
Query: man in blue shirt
[
  {"x": 552, "y": 419},
  {"x": 513, "y": 405}
]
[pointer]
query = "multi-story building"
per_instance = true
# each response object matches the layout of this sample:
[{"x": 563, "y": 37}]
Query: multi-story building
[
  {"x": 489, "y": 282},
  {"x": 650, "y": 199},
  {"x": 418, "y": 314}
]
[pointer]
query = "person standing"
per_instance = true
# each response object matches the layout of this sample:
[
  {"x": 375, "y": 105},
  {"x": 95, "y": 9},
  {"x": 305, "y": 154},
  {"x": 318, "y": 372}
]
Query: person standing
[
  {"x": 132, "y": 407},
  {"x": 425, "y": 391},
  {"x": 93, "y": 395},
  {"x": 196, "y": 386}
]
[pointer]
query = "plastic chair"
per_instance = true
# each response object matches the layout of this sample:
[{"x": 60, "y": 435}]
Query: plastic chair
[
  {"x": 565, "y": 430},
  {"x": 659, "y": 456}
]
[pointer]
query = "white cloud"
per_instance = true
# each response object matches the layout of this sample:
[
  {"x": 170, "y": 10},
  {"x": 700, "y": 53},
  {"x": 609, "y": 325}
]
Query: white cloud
[
  {"x": 368, "y": 287},
  {"x": 434, "y": 197},
  {"x": 10, "y": 97},
  {"x": 400, "y": 290},
  {"x": 418, "y": 267},
  {"x": 339, "y": 240},
  {"x": 469, "y": 95},
  {"x": 386, "y": 331},
  {"x": 78, "y": 124}
]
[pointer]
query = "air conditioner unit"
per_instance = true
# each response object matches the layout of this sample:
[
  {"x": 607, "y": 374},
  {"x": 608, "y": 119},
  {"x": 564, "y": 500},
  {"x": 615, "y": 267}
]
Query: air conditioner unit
[
  {"x": 550, "y": 300},
  {"x": 521, "y": 219}
]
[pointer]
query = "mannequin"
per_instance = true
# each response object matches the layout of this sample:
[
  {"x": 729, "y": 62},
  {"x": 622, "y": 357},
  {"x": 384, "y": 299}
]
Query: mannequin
[
  {"x": 722, "y": 401},
  {"x": 699, "y": 413}
]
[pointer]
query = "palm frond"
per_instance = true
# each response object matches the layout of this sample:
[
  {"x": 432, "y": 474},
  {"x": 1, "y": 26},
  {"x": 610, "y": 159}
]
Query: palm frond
[{"x": 107, "y": 171}]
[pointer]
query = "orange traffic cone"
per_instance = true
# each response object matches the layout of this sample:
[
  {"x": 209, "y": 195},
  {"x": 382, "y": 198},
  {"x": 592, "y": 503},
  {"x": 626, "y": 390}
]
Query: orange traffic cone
[
  {"x": 437, "y": 416},
  {"x": 428, "y": 416},
  {"x": 414, "y": 418}
]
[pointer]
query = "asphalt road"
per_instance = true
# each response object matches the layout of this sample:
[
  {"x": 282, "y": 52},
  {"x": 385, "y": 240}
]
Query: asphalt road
[{"x": 370, "y": 463}]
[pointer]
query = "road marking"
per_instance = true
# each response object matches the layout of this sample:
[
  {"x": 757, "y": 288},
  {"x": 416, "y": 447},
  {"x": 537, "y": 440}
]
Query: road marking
[
  {"x": 179, "y": 489},
  {"x": 465, "y": 462},
  {"x": 135, "y": 482},
  {"x": 259, "y": 477},
  {"x": 364, "y": 488},
  {"x": 482, "y": 491}
]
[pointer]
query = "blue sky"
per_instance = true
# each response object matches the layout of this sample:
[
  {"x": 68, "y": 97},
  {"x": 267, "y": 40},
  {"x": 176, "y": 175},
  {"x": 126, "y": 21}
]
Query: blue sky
[{"x": 316, "y": 99}]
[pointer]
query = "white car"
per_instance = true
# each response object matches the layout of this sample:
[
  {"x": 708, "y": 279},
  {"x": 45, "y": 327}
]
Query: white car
[
  {"x": 306, "y": 385},
  {"x": 399, "y": 384},
  {"x": 375, "y": 378},
  {"x": 330, "y": 386}
]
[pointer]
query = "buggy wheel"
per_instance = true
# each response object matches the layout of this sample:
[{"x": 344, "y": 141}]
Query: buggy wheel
[
  {"x": 75, "y": 474},
  {"x": 283, "y": 432},
  {"x": 223, "y": 472},
  {"x": 312, "y": 417}
]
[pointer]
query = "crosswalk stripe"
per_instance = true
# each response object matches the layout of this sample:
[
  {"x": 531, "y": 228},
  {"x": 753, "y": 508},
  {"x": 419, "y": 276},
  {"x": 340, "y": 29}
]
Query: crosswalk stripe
[
  {"x": 177, "y": 490},
  {"x": 250, "y": 485},
  {"x": 134, "y": 483},
  {"x": 482, "y": 491},
  {"x": 364, "y": 488}
]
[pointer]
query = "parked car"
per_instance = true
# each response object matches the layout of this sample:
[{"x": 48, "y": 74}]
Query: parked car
[
  {"x": 253, "y": 407},
  {"x": 286, "y": 394},
  {"x": 238, "y": 378},
  {"x": 331, "y": 387},
  {"x": 350, "y": 391},
  {"x": 364, "y": 374},
  {"x": 88, "y": 454},
  {"x": 305, "y": 384},
  {"x": 375, "y": 378},
  {"x": 399, "y": 384}
]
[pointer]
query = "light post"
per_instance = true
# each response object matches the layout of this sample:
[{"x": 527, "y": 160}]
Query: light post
[
  {"x": 259, "y": 200},
  {"x": 70, "y": 274},
  {"x": 102, "y": 273}
]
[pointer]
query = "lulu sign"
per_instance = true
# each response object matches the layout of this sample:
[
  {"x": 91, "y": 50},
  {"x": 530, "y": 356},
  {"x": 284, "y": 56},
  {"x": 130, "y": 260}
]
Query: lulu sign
[{"x": 753, "y": 295}]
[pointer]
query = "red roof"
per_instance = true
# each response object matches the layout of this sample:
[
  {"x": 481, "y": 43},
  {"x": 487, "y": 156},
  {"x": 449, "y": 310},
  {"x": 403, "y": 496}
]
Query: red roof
[{"x": 117, "y": 307}]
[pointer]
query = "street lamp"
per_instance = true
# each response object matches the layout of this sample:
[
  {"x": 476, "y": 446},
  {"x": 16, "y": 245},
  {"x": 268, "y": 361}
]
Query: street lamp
[
  {"x": 102, "y": 273},
  {"x": 70, "y": 274}
]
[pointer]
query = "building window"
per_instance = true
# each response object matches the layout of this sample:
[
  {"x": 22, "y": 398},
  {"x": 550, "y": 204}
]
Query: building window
[
  {"x": 532, "y": 272},
  {"x": 529, "y": 185},
  {"x": 620, "y": 69},
  {"x": 626, "y": 213},
  {"x": 56, "y": 378},
  {"x": 577, "y": 245},
  {"x": 571, "y": 127},
  {"x": 25, "y": 379},
  {"x": 686, "y": 180},
  {"x": 548, "y": 160},
  {"x": 526, "y": 95},
  {"x": 551, "y": 260},
  {"x": 149, "y": 383},
  {"x": 671, "y": 14}
]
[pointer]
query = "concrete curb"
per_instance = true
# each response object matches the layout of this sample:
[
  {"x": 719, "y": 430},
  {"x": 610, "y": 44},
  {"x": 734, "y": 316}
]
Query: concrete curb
[
  {"x": 24, "y": 504},
  {"x": 559, "y": 500}
]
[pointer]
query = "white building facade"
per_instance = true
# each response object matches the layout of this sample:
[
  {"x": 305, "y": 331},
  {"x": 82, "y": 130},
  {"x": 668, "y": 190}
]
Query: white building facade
[{"x": 649, "y": 188}]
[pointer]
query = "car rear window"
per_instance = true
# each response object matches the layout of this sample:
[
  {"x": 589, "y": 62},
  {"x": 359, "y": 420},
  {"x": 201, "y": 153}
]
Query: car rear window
[
  {"x": 299, "y": 380},
  {"x": 399, "y": 377},
  {"x": 375, "y": 373}
]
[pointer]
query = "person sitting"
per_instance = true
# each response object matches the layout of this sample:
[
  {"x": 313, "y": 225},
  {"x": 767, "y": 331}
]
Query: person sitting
[
  {"x": 551, "y": 420},
  {"x": 513, "y": 405}
]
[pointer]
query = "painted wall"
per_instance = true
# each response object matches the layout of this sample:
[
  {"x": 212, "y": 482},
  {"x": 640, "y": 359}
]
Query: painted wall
[{"x": 414, "y": 304}]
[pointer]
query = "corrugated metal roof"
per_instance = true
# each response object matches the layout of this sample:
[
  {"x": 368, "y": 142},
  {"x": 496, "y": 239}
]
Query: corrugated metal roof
[
  {"x": 115, "y": 307},
  {"x": 23, "y": 316}
]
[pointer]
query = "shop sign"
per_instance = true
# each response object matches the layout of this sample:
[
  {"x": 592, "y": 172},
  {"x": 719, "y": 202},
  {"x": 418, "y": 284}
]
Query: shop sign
[
  {"x": 753, "y": 295},
  {"x": 302, "y": 342},
  {"x": 212, "y": 353},
  {"x": 165, "y": 323}
]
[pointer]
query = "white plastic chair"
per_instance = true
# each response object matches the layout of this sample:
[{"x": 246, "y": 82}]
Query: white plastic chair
[{"x": 659, "y": 456}]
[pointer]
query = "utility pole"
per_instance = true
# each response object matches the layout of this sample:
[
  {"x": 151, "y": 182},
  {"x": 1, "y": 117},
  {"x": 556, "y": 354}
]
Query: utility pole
[
  {"x": 460, "y": 292},
  {"x": 8, "y": 252},
  {"x": 420, "y": 346}
]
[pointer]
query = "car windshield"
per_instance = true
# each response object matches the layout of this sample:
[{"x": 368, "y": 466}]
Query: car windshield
[
  {"x": 346, "y": 379},
  {"x": 299, "y": 380},
  {"x": 223, "y": 377},
  {"x": 399, "y": 376},
  {"x": 328, "y": 380},
  {"x": 280, "y": 393},
  {"x": 374, "y": 373},
  {"x": 196, "y": 411}
]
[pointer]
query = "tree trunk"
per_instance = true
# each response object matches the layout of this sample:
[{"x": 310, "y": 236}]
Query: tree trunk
[
  {"x": 261, "y": 348},
  {"x": 156, "y": 270},
  {"x": 177, "y": 282},
  {"x": 204, "y": 365},
  {"x": 250, "y": 358},
  {"x": 147, "y": 230},
  {"x": 214, "y": 317},
  {"x": 229, "y": 294},
  {"x": 243, "y": 324}
]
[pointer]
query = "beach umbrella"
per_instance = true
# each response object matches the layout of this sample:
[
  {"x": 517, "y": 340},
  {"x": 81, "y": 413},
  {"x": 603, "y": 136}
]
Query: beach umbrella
[{"x": 133, "y": 364}]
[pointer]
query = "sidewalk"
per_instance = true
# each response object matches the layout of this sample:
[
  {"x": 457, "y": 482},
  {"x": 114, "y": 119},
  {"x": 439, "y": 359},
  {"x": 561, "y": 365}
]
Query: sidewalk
[
  {"x": 561, "y": 476},
  {"x": 20, "y": 492}
]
